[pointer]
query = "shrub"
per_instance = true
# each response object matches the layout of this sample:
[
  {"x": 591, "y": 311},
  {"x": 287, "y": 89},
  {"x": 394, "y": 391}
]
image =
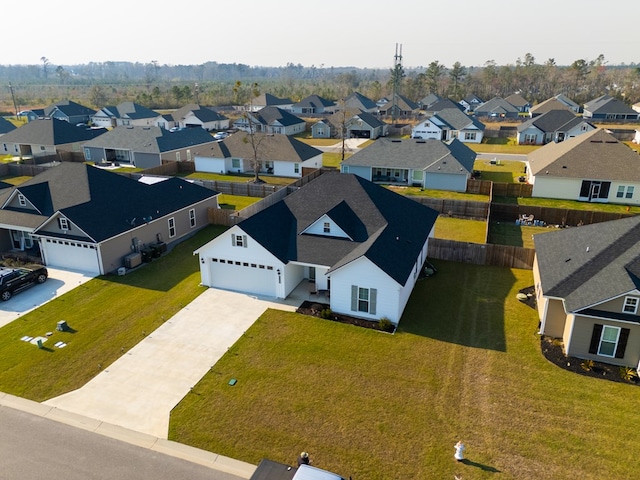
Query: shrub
[
  {"x": 326, "y": 313},
  {"x": 587, "y": 365},
  {"x": 386, "y": 325},
  {"x": 628, "y": 373}
]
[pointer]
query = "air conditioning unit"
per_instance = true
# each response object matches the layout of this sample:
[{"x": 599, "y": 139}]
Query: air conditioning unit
[{"x": 132, "y": 260}]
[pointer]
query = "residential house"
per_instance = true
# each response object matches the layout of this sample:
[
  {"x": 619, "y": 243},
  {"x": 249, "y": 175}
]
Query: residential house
[
  {"x": 30, "y": 115},
  {"x": 429, "y": 100},
  {"x": 313, "y": 104},
  {"x": 127, "y": 113},
  {"x": 69, "y": 111},
  {"x": 323, "y": 129},
  {"x": 146, "y": 147},
  {"x": 6, "y": 126},
  {"x": 80, "y": 217},
  {"x": 358, "y": 102},
  {"x": 448, "y": 124},
  {"x": 497, "y": 107},
  {"x": 636, "y": 138},
  {"x": 365, "y": 125},
  {"x": 636, "y": 107},
  {"x": 268, "y": 100},
  {"x": 430, "y": 163},
  {"x": 470, "y": 102},
  {"x": 609, "y": 109},
  {"x": 271, "y": 120},
  {"x": 441, "y": 105},
  {"x": 568, "y": 102},
  {"x": 552, "y": 126},
  {"x": 592, "y": 167},
  {"x": 279, "y": 155},
  {"x": 588, "y": 290},
  {"x": 519, "y": 102},
  {"x": 547, "y": 106},
  {"x": 193, "y": 115},
  {"x": 44, "y": 137},
  {"x": 399, "y": 106},
  {"x": 360, "y": 243}
]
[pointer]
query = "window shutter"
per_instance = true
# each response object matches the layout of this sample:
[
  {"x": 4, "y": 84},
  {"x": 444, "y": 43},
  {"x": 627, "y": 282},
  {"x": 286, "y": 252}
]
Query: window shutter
[
  {"x": 373, "y": 293},
  {"x": 233, "y": 239},
  {"x": 244, "y": 241},
  {"x": 59, "y": 223},
  {"x": 354, "y": 298},
  {"x": 622, "y": 342},
  {"x": 595, "y": 338}
]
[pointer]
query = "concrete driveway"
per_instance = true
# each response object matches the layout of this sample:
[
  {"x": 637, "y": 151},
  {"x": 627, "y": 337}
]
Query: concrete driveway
[
  {"x": 58, "y": 283},
  {"x": 140, "y": 389}
]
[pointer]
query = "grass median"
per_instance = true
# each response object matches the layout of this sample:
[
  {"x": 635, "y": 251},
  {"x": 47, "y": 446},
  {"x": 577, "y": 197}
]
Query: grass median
[{"x": 107, "y": 316}]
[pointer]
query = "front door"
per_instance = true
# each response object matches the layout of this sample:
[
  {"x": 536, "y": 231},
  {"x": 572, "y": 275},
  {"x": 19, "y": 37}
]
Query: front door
[{"x": 595, "y": 190}]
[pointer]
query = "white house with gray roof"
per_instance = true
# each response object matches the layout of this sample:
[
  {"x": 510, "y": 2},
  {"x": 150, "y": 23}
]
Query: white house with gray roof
[
  {"x": 430, "y": 163},
  {"x": 552, "y": 126},
  {"x": 271, "y": 120},
  {"x": 448, "y": 124},
  {"x": 127, "y": 113}
]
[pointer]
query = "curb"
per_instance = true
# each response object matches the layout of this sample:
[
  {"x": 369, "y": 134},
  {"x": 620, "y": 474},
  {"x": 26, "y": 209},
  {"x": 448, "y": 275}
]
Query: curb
[{"x": 160, "y": 445}]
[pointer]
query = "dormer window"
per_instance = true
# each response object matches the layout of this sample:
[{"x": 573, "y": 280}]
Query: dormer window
[
  {"x": 630, "y": 305},
  {"x": 327, "y": 227},
  {"x": 22, "y": 200}
]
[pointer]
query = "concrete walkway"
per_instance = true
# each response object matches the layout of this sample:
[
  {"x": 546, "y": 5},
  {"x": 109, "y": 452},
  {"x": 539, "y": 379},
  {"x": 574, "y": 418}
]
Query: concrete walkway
[{"x": 140, "y": 389}]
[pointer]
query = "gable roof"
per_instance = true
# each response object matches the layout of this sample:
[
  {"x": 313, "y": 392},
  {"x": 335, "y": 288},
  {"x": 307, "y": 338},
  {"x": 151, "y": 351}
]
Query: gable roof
[
  {"x": 430, "y": 99},
  {"x": 204, "y": 114},
  {"x": 457, "y": 119},
  {"x": 6, "y": 126},
  {"x": 552, "y": 121},
  {"x": 369, "y": 119},
  {"x": 51, "y": 131},
  {"x": 590, "y": 264},
  {"x": 428, "y": 155},
  {"x": 402, "y": 103},
  {"x": 517, "y": 100},
  {"x": 267, "y": 99},
  {"x": 314, "y": 101},
  {"x": 270, "y": 115},
  {"x": 444, "y": 103},
  {"x": 596, "y": 155},
  {"x": 387, "y": 228},
  {"x": 101, "y": 203},
  {"x": 606, "y": 104},
  {"x": 548, "y": 105},
  {"x": 471, "y": 99},
  {"x": 134, "y": 111},
  {"x": 562, "y": 98},
  {"x": 150, "y": 139},
  {"x": 69, "y": 108},
  {"x": 272, "y": 147},
  {"x": 357, "y": 100},
  {"x": 496, "y": 105}
]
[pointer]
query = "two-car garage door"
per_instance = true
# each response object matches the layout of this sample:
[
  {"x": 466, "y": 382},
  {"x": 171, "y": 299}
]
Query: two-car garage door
[
  {"x": 70, "y": 255},
  {"x": 242, "y": 276}
]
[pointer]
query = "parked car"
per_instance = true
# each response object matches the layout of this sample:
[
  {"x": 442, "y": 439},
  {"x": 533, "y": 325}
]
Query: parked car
[
  {"x": 221, "y": 135},
  {"x": 14, "y": 280}
]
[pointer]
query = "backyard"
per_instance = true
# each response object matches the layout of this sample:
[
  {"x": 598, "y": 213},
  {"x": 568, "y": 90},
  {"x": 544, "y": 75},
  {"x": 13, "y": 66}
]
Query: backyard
[{"x": 465, "y": 365}]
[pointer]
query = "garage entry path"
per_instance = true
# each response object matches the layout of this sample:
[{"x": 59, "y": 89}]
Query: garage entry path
[{"x": 140, "y": 389}]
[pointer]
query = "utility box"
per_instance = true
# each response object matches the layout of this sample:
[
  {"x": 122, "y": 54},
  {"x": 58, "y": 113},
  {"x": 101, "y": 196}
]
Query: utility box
[
  {"x": 146, "y": 255},
  {"x": 132, "y": 260},
  {"x": 62, "y": 326}
]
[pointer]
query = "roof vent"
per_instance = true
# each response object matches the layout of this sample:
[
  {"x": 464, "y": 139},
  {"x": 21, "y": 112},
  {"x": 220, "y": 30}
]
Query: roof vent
[{"x": 564, "y": 166}]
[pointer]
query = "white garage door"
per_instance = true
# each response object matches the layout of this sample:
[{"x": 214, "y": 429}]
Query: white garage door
[
  {"x": 70, "y": 255},
  {"x": 243, "y": 277}
]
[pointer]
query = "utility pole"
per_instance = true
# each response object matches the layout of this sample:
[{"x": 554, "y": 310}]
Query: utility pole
[
  {"x": 15, "y": 107},
  {"x": 397, "y": 78}
]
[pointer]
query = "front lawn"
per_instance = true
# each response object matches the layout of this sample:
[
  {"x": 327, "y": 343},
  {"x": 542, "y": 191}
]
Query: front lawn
[
  {"x": 108, "y": 316},
  {"x": 460, "y": 229},
  {"x": 464, "y": 365}
]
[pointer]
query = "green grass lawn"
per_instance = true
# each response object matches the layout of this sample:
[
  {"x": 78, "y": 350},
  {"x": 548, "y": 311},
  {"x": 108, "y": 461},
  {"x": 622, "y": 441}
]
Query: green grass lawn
[
  {"x": 502, "y": 147},
  {"x": 465, "y": 364},
  {"x": 460, "y": 229},
  {"x": 417, "y": 191},
  {"x": 333, "y": 159},
  {"x": 318, "y": 142},
  {"x": 507, "y": 171},
  {"x": 236, "y": 202},
  {"x": 240, "y": 178},
  {"x": 502, "y": 233},
  {"x": 108, "y": 315},
  {"x": 568, "y": 204},
  {"x": 13, "y": 180}
]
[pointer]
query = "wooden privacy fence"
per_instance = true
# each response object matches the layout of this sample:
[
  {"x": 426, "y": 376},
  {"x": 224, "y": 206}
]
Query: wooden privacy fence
[
  {"x": 553, "y": 216},
  {"x": 481, "y": 254},
  {"x": 456, "y": 208},
  {"x": 511, "y": 190}
]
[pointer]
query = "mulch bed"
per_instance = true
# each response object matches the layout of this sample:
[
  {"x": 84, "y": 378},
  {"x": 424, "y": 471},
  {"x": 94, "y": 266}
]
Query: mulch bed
[{"x": 315, "y": 309}]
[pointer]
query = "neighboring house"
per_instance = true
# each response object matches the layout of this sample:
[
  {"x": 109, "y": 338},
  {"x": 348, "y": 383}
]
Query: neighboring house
[
  {"x": 69, "y": 111},
  {"x": 44, "y": 137},
  {"x": 441, "y": 105},
  {"x": 636, "y": 138},
  {"x": 361, "y": 243},
  {"x": 271, "y": 120},
  {"x": 636, "y": 107},
  {"x": 146, "y": 147},
  {"x": 279, "y": 155},
  {"x": 358, "y": 102},
  {"x": 402, "y": 107},
  {"x": 470, "y": 102},
  {"x": 193, "y": 115},
  {"x": 547, "y": 106},
  {"x": 497, "y": 107},
  {"x": 6, "y": 126},
  {"x": 323, "y": 129},
  {"x": 588, "y": 290},
  {"x": 79, "y": 217},
  {"x": 593, "y": 167},
  {"x": 127, "y": 113},
  {"x": 313, "y": 104},
  {"x": 30, "y": 115},
  {"x": 365, "y": 125},
  {"x": 609, "y": 108},
  {"x": 448, "y": 124},
  {"x": 428, "y": 163},
  {"x": 268, "y": 100},
  {"x": 568, "y": 102},
  {"x": 429, "y": 100},
  {"x": 519, "y": 102},
  {"x": 552, "y": 126}
]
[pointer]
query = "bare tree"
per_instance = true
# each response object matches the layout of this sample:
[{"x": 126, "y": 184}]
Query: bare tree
[
  {"x": 45, "y": 66},
  {"x": 253, "y": 138}
]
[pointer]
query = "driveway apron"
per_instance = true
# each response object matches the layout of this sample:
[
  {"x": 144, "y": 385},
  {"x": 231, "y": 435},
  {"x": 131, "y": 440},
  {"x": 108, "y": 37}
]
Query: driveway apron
[{"x": 140, "y": 389}]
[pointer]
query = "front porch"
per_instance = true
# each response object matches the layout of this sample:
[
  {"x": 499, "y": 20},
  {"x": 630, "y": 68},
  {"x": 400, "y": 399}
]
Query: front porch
[{"x": 306, "y": 291}]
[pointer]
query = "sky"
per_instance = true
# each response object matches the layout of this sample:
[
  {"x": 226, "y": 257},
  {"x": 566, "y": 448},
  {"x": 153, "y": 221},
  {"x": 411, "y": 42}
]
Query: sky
[{"x": 338, "y": 33}]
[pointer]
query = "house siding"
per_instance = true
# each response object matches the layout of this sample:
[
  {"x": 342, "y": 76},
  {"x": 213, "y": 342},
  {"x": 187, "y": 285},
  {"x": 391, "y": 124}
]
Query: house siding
[
  {"x": 364, "y": 172},
  {"x": 147, "y": 160},
  {"x": 446, "y": 181},
  {"x": 569, "y": 189},
  {"x": 556, "y": 320},
  {"x": 214, "y": 165}
]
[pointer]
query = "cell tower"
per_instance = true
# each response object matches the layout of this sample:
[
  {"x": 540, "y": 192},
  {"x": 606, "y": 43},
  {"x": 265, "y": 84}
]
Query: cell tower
[{"x": 397, "y": 78}]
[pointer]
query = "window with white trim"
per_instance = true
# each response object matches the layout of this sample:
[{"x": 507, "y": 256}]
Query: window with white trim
[
  {"x": 238, "y": 240},
  {"x": 469, "y": 135},
  {"x": 630, "y": 190},
  {"x": 171, "y": 223},
  {"x": 363, "y": 299},
  {"x": 296, "y": 168},
  {"x": 608, "y": 341},
  {"x": 192, "y": 217},
  {"x": 235, "y": 163},
  {"x": 326, "y": 228},
  {"x": 64, "y": 223},
  {"x": 630, "y": 305},
  {"x": 87, "y": 154},
  {"x": 22, "y": 200},
  {"x": 177, "y": 156}
]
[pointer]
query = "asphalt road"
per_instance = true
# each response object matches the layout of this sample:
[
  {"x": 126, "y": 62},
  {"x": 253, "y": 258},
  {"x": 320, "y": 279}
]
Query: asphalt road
[{"x": 33, "y": 448}]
